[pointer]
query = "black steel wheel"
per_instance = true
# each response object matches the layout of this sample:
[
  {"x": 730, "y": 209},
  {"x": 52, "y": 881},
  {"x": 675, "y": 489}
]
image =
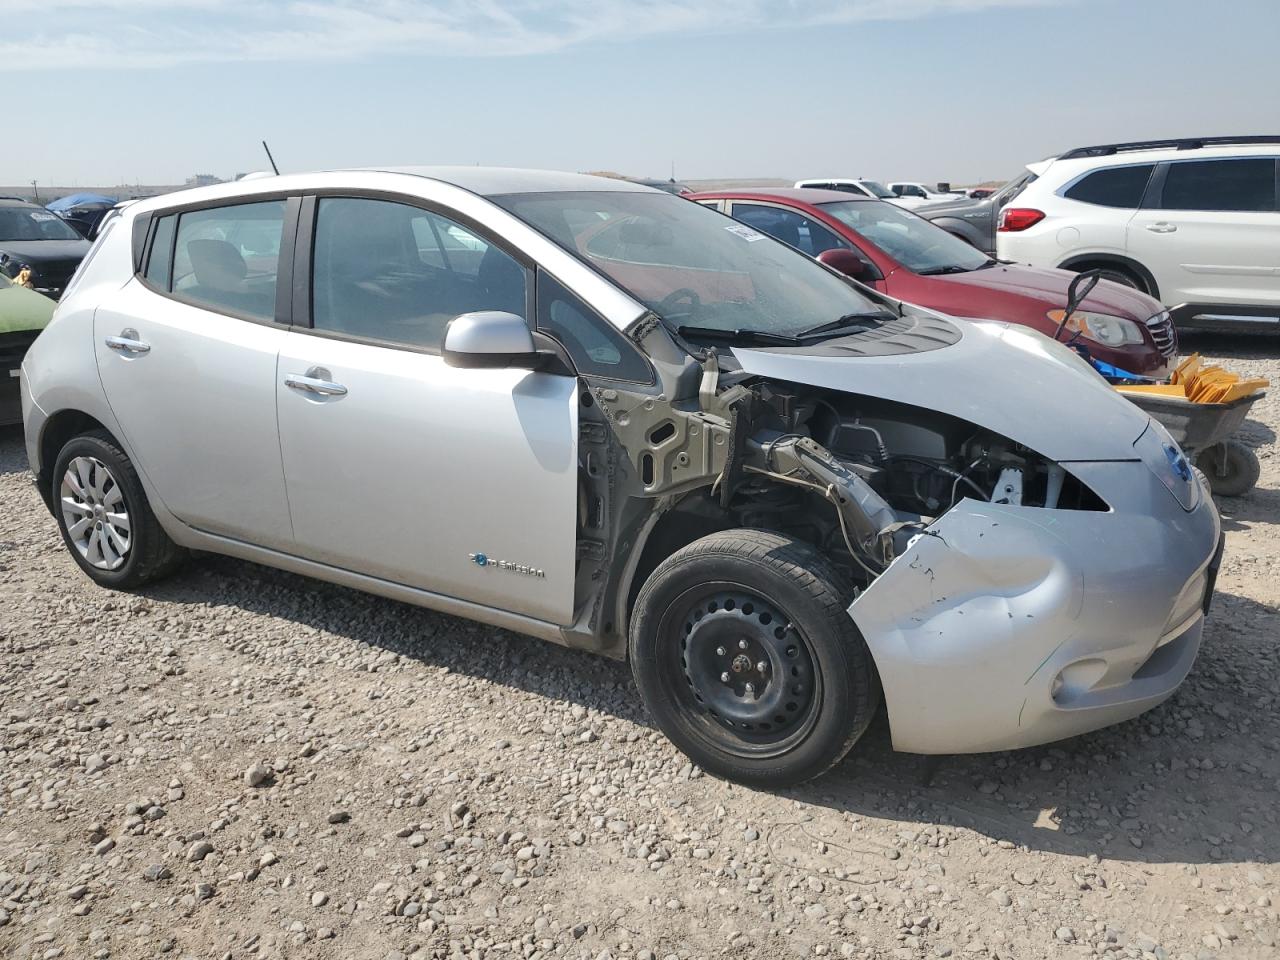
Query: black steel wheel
[{"x": 744, "y": 652}]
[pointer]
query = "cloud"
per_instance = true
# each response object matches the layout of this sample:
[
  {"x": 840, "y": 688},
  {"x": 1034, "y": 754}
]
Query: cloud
[{"x": 141, "y": 34}]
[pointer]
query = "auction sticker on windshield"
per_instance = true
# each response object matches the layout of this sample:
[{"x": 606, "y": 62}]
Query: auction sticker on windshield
[{"x": 745, "y": 232}]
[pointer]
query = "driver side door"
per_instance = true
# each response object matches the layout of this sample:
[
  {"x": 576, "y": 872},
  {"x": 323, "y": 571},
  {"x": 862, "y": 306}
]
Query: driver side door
[{"x": 460, "y": 482}]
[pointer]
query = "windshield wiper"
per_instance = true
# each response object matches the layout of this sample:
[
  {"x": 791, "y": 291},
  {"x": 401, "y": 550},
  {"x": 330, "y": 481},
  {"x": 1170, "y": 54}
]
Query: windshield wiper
[
  {"x": 759, "y": 337},
  {"x": 861, "y": 321},
  {"x": 937, "y": 271}
]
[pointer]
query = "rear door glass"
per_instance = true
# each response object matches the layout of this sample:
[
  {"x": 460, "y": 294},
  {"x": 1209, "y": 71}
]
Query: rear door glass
[{"x": 1113, "y": 186}]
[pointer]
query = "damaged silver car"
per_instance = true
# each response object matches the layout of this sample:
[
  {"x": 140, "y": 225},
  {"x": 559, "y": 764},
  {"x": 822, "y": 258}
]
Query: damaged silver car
[{"x": 604, "y": 416}]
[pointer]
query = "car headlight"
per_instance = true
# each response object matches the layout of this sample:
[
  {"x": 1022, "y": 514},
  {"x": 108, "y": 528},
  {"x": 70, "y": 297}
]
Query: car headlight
[{"x": 1100, "y": 327}]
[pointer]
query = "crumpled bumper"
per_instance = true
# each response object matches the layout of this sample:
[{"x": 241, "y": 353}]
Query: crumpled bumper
[{"x": 1005, "y": 627}]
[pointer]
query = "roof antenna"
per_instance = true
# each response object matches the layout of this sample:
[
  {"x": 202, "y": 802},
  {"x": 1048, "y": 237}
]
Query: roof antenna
[{"x": 274, "y": 168}]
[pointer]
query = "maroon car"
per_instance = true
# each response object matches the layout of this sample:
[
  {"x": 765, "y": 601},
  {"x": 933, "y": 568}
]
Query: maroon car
[{"x": 908, "y": 258}]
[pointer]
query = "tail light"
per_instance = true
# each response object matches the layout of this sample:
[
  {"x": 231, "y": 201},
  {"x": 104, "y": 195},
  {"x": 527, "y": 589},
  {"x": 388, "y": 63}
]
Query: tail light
[{"x": 1013, "y": 219}]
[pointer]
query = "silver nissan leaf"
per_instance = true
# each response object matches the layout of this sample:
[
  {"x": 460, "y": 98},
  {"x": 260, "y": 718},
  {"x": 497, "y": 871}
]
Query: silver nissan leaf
[{"x": 602, "y": 415}]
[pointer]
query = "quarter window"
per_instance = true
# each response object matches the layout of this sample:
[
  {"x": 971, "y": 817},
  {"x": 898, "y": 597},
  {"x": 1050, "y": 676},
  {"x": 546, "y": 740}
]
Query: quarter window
[
  {"x": 790, "y": 227},
  {"x": 396, "y": 273},
  {"x": 1221, "y": 185},
  {"x": 596, "y": 347},
  {"x": 160, "y": 262},
  {"x": 226, "y": 258},
  {"x": 1112, "y": 187}
]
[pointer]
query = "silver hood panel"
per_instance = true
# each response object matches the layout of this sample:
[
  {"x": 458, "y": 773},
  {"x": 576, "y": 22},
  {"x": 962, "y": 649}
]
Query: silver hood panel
[{"x": 1008, "y": 379}]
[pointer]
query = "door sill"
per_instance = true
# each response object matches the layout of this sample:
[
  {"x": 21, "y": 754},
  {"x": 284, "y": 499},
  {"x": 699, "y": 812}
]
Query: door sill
[{"x": 197, "y": 539}]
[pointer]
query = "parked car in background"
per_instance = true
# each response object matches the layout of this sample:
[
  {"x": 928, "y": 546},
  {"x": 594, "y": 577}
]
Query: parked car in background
[
  {"x": 31, "y": 236},
  {"x": 848, "y": 500},
  {"x": 666, "y": 186},
  {"x": 1193, "y": 222},
  {"x": 84, "y": 211},
  {"x": 921, "y": 194},
  {"x": 865, "y": 188},
  {"x": 974, "y": 220},
  {"x": 23, "y": 314},
  {"x": 905, "y": 256}
]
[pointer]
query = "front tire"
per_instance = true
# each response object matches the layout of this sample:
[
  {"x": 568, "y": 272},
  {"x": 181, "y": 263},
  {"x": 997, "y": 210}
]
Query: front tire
[
  {"x": 104, "y": 517},
  {"x": 744, "y": 653}
]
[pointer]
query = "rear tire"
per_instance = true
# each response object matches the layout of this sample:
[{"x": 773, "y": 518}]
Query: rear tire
[
  {"x": 104, "y": 517},
  {"x": 744, "y": 653},
  {"x": 1232, "y": 468}
]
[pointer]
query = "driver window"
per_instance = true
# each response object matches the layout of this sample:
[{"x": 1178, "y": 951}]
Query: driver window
[
  {"x": 789, "y": 226},
  {"x": 396, "y": 273}
]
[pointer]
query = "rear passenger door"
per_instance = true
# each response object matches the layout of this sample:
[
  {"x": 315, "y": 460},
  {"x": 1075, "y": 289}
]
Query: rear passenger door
[
  {"x": 1210, "y": 233},
  {"x": 187, "y": 356},
  {"x": 461, "y": 482}
]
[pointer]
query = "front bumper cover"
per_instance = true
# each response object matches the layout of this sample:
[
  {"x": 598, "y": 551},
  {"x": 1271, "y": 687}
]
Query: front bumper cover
[{"x": 1004, "y": 627}]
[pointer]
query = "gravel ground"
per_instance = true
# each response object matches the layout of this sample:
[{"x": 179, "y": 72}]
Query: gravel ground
[{"x": 240, "y": 762}]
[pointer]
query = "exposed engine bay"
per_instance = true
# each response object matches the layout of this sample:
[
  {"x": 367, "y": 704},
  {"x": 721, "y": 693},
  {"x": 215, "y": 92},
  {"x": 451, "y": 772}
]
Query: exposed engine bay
[{"x": 858, "y": 476}]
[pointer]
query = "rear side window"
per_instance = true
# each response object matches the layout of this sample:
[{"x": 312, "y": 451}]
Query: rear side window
[
  {"x": 1220, "y": 185},
  {"x": 160, "y": 262},
  {"x": 1112, "y": 187},
  {"x": 226, "y": 258}
]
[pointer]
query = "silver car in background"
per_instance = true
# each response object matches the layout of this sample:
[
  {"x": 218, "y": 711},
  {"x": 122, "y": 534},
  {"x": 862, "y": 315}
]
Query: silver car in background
[{"x": 601, "y": 415}]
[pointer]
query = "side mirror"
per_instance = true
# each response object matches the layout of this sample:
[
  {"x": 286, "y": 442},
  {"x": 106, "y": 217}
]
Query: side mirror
[
  {"x": 489, "y": 339},
  {"x": 846, "y": 261}
]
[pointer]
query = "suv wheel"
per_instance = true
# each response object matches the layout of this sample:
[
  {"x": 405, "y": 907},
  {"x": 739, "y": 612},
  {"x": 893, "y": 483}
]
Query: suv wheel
[
  {"x": 745, "y": 656},
  {"x": 104, "y": 516}
]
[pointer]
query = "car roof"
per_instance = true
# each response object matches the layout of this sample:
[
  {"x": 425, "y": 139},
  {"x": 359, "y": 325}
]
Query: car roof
[
  {"x": 15, "y": 202},
  {"x": 481, "y": 181},
  {"x": 810, "y": 195},
  {"x": 1078, "y": 161},
  {"x": 491, "y": 181}
]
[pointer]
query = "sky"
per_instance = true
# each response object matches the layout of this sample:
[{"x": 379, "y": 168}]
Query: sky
[{"x": 152, "y": 91}]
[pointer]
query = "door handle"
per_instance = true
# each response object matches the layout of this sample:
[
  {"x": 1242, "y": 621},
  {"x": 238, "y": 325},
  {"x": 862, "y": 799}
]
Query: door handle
[
  {"x": 314, "y": 385},
  {"x": 1162, "y": 227},
  {"x": 128, "y": 342}
]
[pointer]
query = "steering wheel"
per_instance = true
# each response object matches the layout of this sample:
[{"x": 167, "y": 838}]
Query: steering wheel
[{"x": 668, "y": 302}]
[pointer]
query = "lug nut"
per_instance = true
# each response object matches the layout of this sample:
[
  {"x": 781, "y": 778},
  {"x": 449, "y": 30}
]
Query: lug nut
[
  {"x": 742, "y": 644},
  {"x": 751, "y": 688},
  {"x": 762, "y": 666},
  {"x": 724, "y": 677},
  {"x": 721, "y": 651}
]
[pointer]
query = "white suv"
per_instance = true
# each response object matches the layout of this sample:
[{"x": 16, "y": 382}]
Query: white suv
[{"x": 1194, "y": 223}]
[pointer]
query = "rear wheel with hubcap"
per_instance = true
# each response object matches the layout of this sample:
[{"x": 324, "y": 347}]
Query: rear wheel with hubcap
[
  {"x": 104, "y": 517},
  {"x": 744, "y": 652}
]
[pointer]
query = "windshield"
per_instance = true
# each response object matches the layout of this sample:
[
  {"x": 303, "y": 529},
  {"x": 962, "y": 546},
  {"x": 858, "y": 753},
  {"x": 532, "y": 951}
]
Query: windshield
[
  {"x": 878, "y": 190},
  {"x": 913, "y": 241},
  {"x": 30, "y": 223},
  {"x": 690, "y": 265}
]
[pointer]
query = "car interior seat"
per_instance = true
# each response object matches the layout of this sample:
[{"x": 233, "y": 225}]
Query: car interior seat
[{"x": 220, "y": 273}]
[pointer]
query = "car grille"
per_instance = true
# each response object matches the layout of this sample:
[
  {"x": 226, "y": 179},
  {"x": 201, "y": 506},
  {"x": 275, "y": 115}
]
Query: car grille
[
  {"x": 1163, "y": 333},
  {"x": 13, "y": 347}
]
